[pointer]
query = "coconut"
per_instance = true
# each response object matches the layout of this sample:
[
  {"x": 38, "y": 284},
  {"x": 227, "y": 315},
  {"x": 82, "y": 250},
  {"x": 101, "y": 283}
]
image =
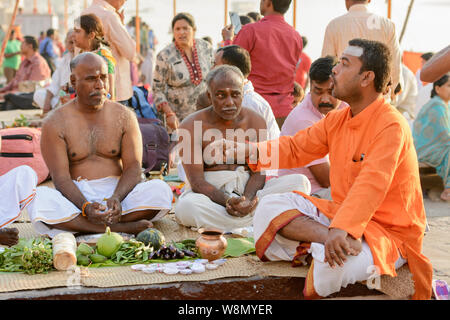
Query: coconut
[{"x": 109, "y": 243}]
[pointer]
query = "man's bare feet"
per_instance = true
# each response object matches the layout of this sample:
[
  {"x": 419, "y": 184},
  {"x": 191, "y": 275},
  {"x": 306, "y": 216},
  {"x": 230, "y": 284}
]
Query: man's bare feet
[
  {"x": 355, "y": 245},
  {"x": 133, "y": 227},
  {"x": 9, "y": 236},
  {"x": 445, "y": 195}
]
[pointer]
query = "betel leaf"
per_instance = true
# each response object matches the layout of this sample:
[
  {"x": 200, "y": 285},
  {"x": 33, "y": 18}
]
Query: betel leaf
[{"x": 239, "y": 246}]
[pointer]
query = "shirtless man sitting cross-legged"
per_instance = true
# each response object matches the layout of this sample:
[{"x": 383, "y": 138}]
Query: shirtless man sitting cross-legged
[
  {"x": 93, "y": 149},
  {"x": 224, "y": 195}
]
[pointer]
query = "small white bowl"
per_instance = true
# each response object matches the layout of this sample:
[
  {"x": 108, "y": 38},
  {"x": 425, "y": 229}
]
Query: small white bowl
[
  {"x": 171, "y": 270},
  {"x": 198, "y": 268},
  {"x": 219, "y": 262},
  {"x": 138, "y": 267},
  {"x": 186, "y": 271},
  {"x": 211, "y": 266}
]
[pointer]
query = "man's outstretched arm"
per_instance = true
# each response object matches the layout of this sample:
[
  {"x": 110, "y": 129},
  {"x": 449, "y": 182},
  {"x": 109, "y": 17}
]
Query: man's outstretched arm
[{"x": 437, "y": 66}]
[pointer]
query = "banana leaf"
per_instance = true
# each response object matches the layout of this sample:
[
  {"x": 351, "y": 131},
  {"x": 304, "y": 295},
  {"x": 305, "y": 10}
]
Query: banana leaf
[{"x": 239, "y": 246}]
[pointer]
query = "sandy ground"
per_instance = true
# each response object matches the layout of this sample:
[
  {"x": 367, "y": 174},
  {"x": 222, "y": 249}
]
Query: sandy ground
[{"x": 436, "y": 242}]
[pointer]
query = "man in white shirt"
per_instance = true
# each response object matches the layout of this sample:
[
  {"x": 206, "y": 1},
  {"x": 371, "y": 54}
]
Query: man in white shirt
[
  {"x": 406, "y": 100},
  {"x": 49, "y": 98}
]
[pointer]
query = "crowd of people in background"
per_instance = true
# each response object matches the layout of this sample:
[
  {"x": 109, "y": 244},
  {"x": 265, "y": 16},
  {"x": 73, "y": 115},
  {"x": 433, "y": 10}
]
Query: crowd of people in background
[{"x": 332, "y": 116}]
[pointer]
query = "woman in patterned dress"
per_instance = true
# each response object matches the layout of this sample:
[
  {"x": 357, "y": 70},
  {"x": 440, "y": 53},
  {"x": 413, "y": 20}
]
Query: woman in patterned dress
[
  {"x": 180, "y": 70},
  {"x": 431, "y": 132},
  {"x": 88, "y": 36}
]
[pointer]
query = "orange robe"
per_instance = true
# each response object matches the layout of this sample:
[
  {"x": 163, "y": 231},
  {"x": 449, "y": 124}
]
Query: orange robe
[{"x": 378, "y": 197}]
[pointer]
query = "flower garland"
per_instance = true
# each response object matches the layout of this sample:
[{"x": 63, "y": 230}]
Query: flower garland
[{"x": 195, "y": 71}]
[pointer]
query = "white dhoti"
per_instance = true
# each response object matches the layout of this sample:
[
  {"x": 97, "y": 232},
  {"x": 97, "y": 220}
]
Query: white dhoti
[
  {"x": 51, "y": 207},
  {"x": 198, "y": 210},
  {"x": 326, "y": 279},
  {"x": 17, "y": 191}
]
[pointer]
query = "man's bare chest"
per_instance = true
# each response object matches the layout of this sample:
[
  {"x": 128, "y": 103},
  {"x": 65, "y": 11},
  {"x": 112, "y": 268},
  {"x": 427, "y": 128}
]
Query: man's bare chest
[{"x": 101, "y": 140}]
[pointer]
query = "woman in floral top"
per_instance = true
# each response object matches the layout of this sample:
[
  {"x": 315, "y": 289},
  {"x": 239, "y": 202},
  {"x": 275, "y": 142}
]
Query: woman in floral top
[
  {"x": 88, "y": 36},
  {"x": 180, "y": 70}
]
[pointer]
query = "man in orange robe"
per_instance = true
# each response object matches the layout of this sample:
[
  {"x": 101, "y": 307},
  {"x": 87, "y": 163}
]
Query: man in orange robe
[{"x": 376, "y": 220}]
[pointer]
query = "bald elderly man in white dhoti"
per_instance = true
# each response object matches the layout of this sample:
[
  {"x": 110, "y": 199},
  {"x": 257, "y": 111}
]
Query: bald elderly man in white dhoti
[
  {"x": 225, "y": 195},
  {"x": 93, "y": 149}
]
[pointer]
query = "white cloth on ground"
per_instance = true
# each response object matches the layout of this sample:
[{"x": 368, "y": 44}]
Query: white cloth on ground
[
  {"x": 51, "y": 207},
  {"x": 17, "y": 191},
  {"x": 326, "y": 279},
  {"x": 198, "y": 210}
]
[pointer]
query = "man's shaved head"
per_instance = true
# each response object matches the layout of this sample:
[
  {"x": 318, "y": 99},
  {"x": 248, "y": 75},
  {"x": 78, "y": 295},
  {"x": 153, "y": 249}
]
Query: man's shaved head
[
  {"x": 88, "y": 58},
  {"x": 225, "y": 91},
  {"x": 221, "y": 71},
  {"x": 89, "y": 79}
]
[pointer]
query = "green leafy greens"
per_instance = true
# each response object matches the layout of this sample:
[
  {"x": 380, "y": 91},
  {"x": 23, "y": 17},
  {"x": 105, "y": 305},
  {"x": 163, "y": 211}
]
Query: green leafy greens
[{"x": 31, "y": 256}]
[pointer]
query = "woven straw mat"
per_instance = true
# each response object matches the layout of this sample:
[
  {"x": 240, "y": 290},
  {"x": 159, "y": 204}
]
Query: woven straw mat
[{"x": 245, "y": 266}]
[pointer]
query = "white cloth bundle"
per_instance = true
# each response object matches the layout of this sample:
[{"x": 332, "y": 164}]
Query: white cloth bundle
[{"x": 17, "y": 191}]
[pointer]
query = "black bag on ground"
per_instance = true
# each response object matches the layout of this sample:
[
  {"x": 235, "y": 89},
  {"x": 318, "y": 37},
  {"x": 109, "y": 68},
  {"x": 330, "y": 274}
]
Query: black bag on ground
[
  {"x": 156, "y": 143},
  {"x": 23, "y": 101}
]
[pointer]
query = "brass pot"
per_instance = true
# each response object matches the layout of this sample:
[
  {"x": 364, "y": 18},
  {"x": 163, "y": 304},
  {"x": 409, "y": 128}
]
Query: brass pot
[{"x": 211, "y": 244}]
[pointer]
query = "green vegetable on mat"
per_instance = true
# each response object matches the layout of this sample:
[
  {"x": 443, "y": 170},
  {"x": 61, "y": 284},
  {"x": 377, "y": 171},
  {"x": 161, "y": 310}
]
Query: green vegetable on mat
[
  {"x": 97, "y": 258},
  {"x": 30, "y": 256},
  {"x": 132, "y": 251},
  {"x": 85, "y": 249},
  {"x": 83, "y": 260},
  {"x": 151, "y": 236},
  {"x": 187, "y": 247},
  {"x": 109, "y": 243},
  {"x": 189, "y": 244}
]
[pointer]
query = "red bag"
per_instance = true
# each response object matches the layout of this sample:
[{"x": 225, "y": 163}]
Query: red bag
[{"x": 21, "y": 146}]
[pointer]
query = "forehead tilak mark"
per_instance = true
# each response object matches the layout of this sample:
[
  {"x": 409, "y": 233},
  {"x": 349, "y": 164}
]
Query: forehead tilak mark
[{"x": 354, "y": 51}]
